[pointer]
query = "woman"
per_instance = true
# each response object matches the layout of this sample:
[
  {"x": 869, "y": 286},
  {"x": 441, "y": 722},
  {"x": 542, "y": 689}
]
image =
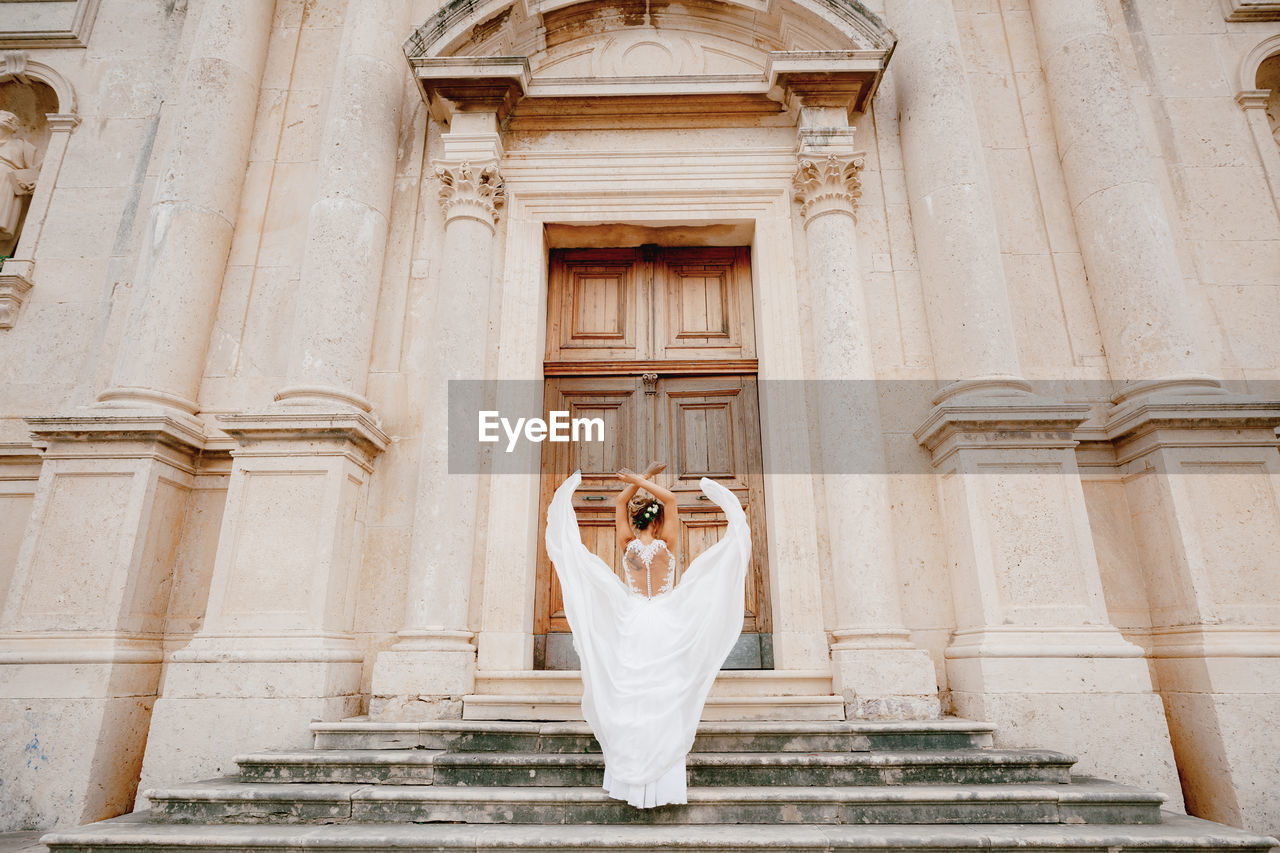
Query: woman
[{"x": 649, "y": 649}]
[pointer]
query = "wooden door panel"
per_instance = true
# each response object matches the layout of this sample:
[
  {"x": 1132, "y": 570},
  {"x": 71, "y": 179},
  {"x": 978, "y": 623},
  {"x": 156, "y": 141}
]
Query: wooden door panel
[
  {"x": 618, "y": 401},
  {"x": 703, "y": 304},
  {"x": 597, "y": 311},
  {"x": 709, "y": 427},
  {"x": 704, "y": 428}
]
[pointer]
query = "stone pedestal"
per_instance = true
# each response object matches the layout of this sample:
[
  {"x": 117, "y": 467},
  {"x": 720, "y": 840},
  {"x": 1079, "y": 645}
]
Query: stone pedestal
[
  {"x": 81, "y": 631},
  {"x": 275, "y": 644},
  {"x": 1034, "y": 651},
  {"x": 1202, "y": 478}
]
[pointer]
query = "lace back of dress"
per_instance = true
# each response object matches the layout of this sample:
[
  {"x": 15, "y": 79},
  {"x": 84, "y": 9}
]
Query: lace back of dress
[{"x": 650, "y": 569}]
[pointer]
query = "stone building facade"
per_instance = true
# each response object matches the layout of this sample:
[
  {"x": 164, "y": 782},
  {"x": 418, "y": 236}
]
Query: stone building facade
[{"x": 1038, "y": 240}]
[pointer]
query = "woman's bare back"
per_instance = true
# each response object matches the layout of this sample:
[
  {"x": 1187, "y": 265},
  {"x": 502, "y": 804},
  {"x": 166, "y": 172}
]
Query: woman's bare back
[{"x": 650, "y": 568}]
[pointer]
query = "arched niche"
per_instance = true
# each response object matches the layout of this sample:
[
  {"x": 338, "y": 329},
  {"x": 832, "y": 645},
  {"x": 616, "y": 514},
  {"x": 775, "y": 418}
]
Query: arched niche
[
  {"x": 45, "y": 104},
  {"x": 1259, "y": 95}
]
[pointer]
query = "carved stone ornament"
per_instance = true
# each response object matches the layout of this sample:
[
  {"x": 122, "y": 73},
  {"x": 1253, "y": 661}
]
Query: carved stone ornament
[
  {"x": 470, "y": 191},
  {"x": 13, "y": 290},
  {"x": 828, "y": 184}
]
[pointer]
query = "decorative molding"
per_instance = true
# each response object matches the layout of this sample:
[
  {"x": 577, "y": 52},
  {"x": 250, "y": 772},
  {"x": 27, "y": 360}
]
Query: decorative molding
[
  {"x": 75, "y": 32},
  {"x": 1251, "y": 10},
  {"x": 13, "y": 290},
  {"x": 1253, "y": 99},
  {"x": 467, "y": 191},
  {"x": 828, "y": 184}
]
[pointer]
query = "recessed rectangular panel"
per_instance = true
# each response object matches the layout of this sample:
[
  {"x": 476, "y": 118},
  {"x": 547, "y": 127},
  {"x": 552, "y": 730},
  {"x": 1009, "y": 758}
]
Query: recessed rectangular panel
[
  {"x": 705, "y": 437},
  {"x": 599, "y": 305},
  {"x": 700, "y": 295},
  {"x": 702, "y": 304},
  {"x": 595, "y": 311}
]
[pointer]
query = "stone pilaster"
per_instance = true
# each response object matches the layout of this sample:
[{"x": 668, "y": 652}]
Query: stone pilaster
[
  {"x": 84, "y": 619},
  {"x": 1199, "y": 466},
  {"x": 432, "y": 665},
  {"x": 1034, "y": 650},
  {"x": 874, "y": 664},
  {"x": 1031, "y": 623},
  {"x": 277, "y": 627}
]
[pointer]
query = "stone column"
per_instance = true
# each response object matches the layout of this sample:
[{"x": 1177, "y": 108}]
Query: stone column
[
  {"x": 874, "y": 665},
  {"x": 957, "y": 241},
  {"x": 188, "y": 235},
  {"x": 432, "y": 665},
  {"x": 1031, "y": 621},
  {"x": 80, "y": 635},
  {"x": 1122, "y": 224},
  {"x": 347, "y": 225},
  {"x": 275, "y": 650}
]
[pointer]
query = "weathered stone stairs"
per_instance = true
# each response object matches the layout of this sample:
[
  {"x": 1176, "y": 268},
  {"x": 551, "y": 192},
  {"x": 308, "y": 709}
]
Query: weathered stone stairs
[{"x": 807, "y": 785}]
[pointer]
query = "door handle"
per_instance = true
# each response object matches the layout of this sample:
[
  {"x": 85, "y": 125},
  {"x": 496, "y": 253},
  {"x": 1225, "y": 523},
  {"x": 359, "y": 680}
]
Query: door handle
[{"x": 593, "y": 497}]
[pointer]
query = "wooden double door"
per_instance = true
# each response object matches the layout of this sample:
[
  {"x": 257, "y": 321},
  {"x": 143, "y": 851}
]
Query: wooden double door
[{"x": 659, "y": 344}]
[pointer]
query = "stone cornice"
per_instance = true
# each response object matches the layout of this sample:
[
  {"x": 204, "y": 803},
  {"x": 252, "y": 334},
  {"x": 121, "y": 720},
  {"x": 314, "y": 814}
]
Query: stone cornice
[
  {"x": 345, "y": 429},
  {"x": 182, "y": 433},
  {"x": 1218, "y": 412},
  {"x": 1000, "y": 422}
]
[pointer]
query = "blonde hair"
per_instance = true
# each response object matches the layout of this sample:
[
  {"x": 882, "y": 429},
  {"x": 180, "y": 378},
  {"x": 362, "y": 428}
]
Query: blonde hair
[{"x": 636, "y": 508}]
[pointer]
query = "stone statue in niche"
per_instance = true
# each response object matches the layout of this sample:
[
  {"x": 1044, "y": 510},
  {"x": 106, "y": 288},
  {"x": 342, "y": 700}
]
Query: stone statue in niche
[{"x": 19, "y": 167}]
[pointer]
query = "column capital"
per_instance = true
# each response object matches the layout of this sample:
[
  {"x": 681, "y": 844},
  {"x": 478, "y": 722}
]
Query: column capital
[
  {"x": 467, "y": 190},
  {"x": 827, "y": 184}
]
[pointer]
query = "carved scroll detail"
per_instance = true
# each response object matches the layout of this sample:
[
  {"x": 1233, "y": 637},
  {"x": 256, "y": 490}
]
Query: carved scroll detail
[
  {"x": 470, "y": 191},
  {"x": 828, "y": 184}
]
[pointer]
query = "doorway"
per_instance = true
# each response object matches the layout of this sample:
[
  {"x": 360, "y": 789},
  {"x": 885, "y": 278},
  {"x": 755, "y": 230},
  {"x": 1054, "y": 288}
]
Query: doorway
[{"x": 659, "y": 343}]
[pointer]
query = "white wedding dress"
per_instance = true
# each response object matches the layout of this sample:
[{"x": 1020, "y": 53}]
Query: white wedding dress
[{"x": 648, "y": 663}]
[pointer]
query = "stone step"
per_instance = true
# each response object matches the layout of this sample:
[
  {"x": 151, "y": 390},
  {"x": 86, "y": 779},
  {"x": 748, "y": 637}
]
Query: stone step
[
  {"x": 742, "y": 683},
  {"x": 743, "y": 736},
  {"x": 438, "y": 767},
  {"x": 554, "y": 707},
  {"x": 1175, "y": 834},
  {"x": 974, "y": 766},
  {"x": 1085, "y": 801}
]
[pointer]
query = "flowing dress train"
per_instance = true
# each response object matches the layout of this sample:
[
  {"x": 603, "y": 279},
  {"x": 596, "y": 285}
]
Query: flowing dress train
[{"x": 648, "y": 663}]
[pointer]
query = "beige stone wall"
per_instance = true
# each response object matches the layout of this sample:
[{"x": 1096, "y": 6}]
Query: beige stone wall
[{"x": 1182, "y": 64}]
